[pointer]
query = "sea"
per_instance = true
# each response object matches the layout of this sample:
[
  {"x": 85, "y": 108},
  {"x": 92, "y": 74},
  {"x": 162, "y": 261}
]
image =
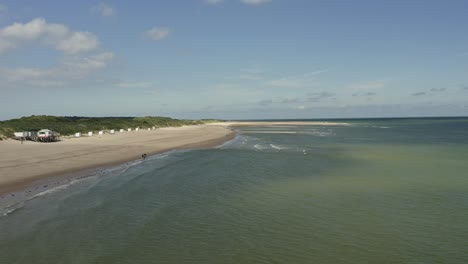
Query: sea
[{"x": 368, "y": 191}]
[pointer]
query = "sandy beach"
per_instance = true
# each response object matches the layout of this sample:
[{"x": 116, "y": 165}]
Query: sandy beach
[{"x": 23, "y": 164}]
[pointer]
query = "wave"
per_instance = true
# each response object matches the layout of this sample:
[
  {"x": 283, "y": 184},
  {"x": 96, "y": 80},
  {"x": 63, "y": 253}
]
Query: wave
[
  {"x": 9, "y": 211},
  {"x": 269, "y": 132},
  {"x": 17, "y": 200},
  {"x": 365, "y": 139},
  {"x": 276, "y": 147},
  {"x": 384, "y": 127}
]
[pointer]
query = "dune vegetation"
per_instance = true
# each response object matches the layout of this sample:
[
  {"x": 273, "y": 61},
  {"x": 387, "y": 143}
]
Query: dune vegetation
[{"x": 68, "y": 125}]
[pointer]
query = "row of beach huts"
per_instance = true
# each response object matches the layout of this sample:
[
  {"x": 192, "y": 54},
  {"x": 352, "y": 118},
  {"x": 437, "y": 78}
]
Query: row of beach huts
[
  {"x": 43, "y": 135},
  {"x": 47, "y": 135}
]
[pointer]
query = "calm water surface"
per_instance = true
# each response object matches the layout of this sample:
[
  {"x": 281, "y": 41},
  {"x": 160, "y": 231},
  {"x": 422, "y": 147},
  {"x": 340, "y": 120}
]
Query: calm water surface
[{"x": 376, "y": 191}]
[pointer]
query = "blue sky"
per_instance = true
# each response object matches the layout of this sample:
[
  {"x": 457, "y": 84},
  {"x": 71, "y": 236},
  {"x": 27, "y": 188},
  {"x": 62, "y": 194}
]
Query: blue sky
[{"x": 234, "y": 59}]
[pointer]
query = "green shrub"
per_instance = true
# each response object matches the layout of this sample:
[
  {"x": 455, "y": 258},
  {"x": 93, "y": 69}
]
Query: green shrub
[{"x": 68, "y": 125}]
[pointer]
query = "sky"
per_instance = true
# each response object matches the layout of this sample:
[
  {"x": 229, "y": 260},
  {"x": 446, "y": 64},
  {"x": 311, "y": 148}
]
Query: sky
[{"x": 234, "y": 59}]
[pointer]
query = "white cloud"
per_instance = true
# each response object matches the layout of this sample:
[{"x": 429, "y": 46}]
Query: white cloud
[
  {"x": 213, "y": 2},
  {"x": 78, "y": 42},
  {"x": 56, "y": 35},
  {"x": 158, "y": 33},
  {"x": 104, "y": 9},
  {"x": 255, "y": 2}
]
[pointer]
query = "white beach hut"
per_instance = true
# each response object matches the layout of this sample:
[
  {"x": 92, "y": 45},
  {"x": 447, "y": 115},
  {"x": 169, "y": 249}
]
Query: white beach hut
[
  {"x": 22, "y": 134},
  {"x": 129, "y": 129},
  {"x": 101, "y": 133},
  {"x": 90, "y": 133},
  {"x": 121, "y": 130},
  {"x": 149, "y": 128},
  {"x": 77, "y": 135},
  {"x": 112, "y": 131},
  {"x": 136, "y": 129}
]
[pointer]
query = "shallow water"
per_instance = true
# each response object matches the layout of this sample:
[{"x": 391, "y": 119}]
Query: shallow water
[{"x": 378, "y": 191}]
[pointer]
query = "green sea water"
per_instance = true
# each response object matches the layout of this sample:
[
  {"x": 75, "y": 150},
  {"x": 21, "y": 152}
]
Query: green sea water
[{"x": 374, "y": 191}]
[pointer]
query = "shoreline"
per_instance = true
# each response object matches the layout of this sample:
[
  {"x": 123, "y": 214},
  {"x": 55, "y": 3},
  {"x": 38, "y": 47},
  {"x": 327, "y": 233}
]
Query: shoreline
[
  {"x": 39, "y": 166},
  {"x": 27, "y": 165}
]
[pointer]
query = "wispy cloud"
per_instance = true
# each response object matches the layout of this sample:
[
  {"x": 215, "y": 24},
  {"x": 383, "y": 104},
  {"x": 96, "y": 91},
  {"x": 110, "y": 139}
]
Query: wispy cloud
[
  {"x": 255, "y": 2},
  {"x": 300, "y": 107},
  {"x": 437, "y": 90},
  {"x": 286, "y": 82},
  {"x": 104, "y": 9},
  {"x": 252, "y": 73},
  {"x": 368, "y": 94},
  {"x": 158, "y": 33},
  {"x": 134, "y": 84},
  {"x": 71, "y": 69},
  {"x": 40, "y": 31},
  {"x": 213, "y": 2},
  {"x": 430, "y": 92},
  {"x": 296, "y": 81},
  {"x": 317, "y": 97},
  {"x": 289, "y": 100},
  {"x": 365, "y": 86},
  {"x": 265, "y": 102}
]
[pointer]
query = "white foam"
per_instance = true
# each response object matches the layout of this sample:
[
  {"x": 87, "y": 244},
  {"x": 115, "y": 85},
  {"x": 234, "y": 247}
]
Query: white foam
[
  {"x": 257, "y": 146},
  {"x": 276, "y": 147},
  {"x": 9, "y": 211},
  {"x": 58, "y": 188}
]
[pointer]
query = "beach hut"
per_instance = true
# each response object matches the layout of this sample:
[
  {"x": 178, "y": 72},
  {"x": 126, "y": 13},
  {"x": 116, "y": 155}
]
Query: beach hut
[
  {"x": 112, "y": 131},
  {"x": 121, "y": 130},
  {"x": 21, "y": 134},
  {"x": 136, "y": 129},
  {"x": 149, "y": 128},
  {"x": 101, "y": 133},
  {"x": 129, "y": 129},
  {"x": 47, "y": 135},
  {"x": 77, "y": 135},
  {"x": 90, "y": 133}
]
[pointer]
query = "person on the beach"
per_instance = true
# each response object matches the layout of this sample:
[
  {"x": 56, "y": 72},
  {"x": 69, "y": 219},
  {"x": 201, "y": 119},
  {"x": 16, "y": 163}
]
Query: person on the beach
[{"x": 143, "y": 156}]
